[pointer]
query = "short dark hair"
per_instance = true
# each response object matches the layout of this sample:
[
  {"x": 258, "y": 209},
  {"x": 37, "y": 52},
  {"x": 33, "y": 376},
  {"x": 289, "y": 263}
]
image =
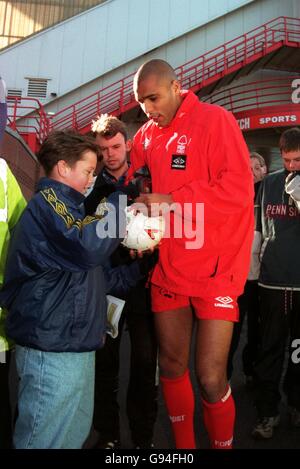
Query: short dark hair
[
  {"x": 109, "y": 126},
  {"x": 67, "y": 145},
  {"x": 157, "y": 67},
  {"x": 290, "y": 140}
]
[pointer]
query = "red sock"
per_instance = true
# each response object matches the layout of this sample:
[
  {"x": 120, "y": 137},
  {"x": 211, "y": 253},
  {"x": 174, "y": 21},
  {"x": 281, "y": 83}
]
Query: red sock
[
  {"x": 219, "y": 421},
  {"x": 179, "y": 398}
]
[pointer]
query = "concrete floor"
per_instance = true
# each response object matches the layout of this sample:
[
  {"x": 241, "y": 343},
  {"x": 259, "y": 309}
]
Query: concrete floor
[{"x": 284, "y": 437}]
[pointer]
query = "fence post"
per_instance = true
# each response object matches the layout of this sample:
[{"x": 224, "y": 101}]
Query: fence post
[
  {"x": 98, "y": 103},
  {"x": 14, "y": 118},
  {"x": 74, "y": 120},
  {"x": 121, "y": 100}
]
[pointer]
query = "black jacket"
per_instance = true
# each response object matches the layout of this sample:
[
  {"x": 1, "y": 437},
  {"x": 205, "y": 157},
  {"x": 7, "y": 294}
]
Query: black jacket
[{"x": 278, "y": 220}]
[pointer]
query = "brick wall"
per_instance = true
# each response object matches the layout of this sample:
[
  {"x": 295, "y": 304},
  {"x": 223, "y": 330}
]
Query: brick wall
[{"x": 21, "y": 161}]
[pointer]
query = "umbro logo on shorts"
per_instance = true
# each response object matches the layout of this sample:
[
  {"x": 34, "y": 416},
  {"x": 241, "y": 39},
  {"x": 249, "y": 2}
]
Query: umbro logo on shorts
[{"x": 224, "y": 302}]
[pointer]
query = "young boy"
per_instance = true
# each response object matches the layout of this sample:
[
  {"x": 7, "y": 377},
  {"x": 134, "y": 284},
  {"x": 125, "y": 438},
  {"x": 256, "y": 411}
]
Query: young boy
[{"x": 55, "y": 292}]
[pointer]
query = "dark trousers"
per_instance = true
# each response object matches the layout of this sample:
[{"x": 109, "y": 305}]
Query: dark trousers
[
  {"x": 279, "y": 322},
  {"x": 248, "y": 307},
  {"x": 142, "y": 389},
  {"x": 5, "y": 407}
]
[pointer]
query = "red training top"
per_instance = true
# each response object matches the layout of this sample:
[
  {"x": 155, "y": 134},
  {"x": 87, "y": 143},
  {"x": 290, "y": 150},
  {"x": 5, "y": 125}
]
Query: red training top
[{"x": 201, "y": 157}]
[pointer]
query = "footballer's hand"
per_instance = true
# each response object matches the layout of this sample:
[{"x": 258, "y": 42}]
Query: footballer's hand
[
  {"x": 154, "y": 204},
  {"x": 139, "y": 254}
]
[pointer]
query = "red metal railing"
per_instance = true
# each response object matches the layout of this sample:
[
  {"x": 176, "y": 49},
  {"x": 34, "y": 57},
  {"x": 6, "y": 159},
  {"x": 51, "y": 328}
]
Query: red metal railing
[
  {"x": 239, "y": 52},
  {"x": 27, "y": 115},
  {"x": 257, "y": 94},
  {"x": 118, "y": 97},
  {"x": 195, "y": 74}
]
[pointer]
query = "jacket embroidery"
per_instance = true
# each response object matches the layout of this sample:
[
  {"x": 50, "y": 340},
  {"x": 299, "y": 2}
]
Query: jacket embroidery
[{"x": 58, "y": 206}]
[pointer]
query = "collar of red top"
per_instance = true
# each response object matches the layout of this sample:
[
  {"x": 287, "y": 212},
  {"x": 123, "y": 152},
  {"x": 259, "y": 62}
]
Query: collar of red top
[{"x": 188, "y": 103}]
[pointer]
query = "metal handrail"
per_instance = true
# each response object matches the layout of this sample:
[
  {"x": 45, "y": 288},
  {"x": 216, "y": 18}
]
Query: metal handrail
[
  {"x": 28, "y": 114},
  {"x": 255, "y": 95},
  {"x": 118, "y": 97}
]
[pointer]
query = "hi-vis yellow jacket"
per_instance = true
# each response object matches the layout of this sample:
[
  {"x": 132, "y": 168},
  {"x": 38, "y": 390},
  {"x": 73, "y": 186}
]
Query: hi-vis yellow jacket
[{"x": 12, "y": 204}]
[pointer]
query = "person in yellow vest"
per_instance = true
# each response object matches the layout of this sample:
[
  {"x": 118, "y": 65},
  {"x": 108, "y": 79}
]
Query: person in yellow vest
[{"x": 12, "y": 204}]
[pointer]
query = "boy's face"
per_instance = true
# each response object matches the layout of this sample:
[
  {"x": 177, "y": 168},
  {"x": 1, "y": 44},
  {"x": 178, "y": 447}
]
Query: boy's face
[
  {"x": 258, "y": 171},
  {"x": 80, "y": 175}
]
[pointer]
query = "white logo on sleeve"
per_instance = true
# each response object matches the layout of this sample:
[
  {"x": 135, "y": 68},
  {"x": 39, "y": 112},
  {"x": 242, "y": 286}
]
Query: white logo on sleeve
[
  {"x": 224, "y": 302},
  {"x": 171, "y": 140},
  {"x": 146, "y": 143}
]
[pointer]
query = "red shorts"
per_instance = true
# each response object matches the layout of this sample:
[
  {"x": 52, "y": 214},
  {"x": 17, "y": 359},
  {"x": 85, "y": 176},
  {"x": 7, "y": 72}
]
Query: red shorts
[{"x": 219, "y": 307}]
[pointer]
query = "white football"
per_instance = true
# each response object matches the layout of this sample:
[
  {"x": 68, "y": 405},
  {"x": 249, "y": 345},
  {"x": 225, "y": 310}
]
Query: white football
[{"x": 143, "y": 232}]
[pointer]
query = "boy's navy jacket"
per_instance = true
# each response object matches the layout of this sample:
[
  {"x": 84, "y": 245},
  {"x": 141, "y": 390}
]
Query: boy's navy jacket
[{"x": 55, "y": 287}]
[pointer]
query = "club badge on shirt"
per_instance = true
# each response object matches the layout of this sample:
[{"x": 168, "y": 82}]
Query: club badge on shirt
[{"x": 178, "y": 162}]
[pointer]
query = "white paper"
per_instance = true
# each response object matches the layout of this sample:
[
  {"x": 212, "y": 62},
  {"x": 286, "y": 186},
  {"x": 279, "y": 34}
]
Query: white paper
[{"x": 114, "y": 310}]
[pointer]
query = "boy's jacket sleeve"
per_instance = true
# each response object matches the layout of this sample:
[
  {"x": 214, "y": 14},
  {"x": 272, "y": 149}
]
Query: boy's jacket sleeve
[
  {"x": 120, "y": 279},
  {"x": 58, "y": 240}
]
